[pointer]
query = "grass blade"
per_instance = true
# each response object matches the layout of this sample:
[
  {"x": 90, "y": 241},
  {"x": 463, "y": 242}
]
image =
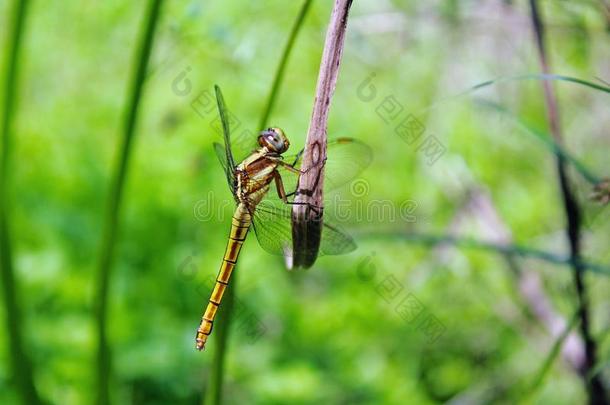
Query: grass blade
[
  {"x": 542, "y": 77},
  {"x": 214, "y": 391},
  {"x": 281, "y": 67},
  {"x": 213, "y": 395},
  {"x": 21, "y": 364},
  {"x": 573, "y": 214},
  {"x": 536, "y": 383},
  {"x": 469, "y": 243},
  {"x": 548, "y": 141},
  {"x": 531, "y": 76},
  {"x": 114, "y": 200}
]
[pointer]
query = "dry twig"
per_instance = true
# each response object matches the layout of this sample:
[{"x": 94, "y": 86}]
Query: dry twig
[
  {"x": 308, "y": 209},
  {"x": 573, "y": 213}
]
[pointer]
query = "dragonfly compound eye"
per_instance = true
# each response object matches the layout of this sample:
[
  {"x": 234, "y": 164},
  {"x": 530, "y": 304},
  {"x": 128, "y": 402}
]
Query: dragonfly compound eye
[{"x": 274, "y": 139}]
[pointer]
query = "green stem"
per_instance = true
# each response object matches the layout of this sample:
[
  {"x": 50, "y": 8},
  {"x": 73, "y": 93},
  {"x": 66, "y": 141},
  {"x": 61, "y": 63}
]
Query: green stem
[
  {"x": 20, "y": 362},
  {"x": 554, "y": 146},
  {"x": 214, "y": 392},
  {"x": 509, "y": 250},
  {"x": 573, "y": 212},
  {"x": 213, "y": 395},
  {"x": 114, "y": 200},
  {"x": 279, "y": 73},
  {"x": 542, "y": 77},
  {"x": 536, "y": 384}
]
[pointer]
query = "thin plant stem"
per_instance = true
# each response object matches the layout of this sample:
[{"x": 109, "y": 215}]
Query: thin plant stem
[
  {"x": 306, "y": 221},
  {"x": 281, "y": 67},
  {"x": 593, "y": 383},
  {"x": 21, "y": 364},
  {"x": 503, "y": 79},
  {"x": 549, "y": 142},
  {"x": 536, "y": 383},
  {"x": 213, "y": 393},
  {"x": 468, "y": 243},
  {"x": 115, "y": 198}
]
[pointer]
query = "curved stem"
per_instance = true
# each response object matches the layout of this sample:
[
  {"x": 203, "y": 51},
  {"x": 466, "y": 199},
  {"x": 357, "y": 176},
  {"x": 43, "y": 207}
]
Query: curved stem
[
  {"x": 213, "y": 394},
  {"x": 114, "y": 201},
  {"x": 508, "y": 250},
  {"x": 573, "y": 213},
  {"x": 541, "y": 375},
  {"x": 21, "y": 365},
  {"x": 281, "y": 67},
  {"x": 307, "y": 222}
]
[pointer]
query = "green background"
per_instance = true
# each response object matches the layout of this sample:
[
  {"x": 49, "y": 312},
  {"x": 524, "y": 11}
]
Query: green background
[{"x": 331, "y": 334}]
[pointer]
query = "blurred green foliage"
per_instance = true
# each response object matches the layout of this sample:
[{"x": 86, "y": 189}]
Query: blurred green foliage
[{"x": 331, "y": 334}]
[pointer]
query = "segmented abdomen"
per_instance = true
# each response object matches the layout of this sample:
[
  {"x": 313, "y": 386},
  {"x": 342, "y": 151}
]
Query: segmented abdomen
[{"x": 240, "y": 224}]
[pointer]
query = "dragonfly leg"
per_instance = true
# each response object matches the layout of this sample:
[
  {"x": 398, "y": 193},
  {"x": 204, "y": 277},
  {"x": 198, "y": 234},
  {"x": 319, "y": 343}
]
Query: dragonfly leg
[
  {"x": 317, "y": 210},
  {"x": 290, "y": 167},
  {"x": 281, "y": 192},
  {"x": 279, "y": 185},
  {"x": 298, "y": 157}
]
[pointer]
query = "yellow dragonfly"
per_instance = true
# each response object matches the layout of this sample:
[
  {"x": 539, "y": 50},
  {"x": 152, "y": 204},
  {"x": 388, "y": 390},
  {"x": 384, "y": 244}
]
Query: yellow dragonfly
[{"x": 250, "y": 182}]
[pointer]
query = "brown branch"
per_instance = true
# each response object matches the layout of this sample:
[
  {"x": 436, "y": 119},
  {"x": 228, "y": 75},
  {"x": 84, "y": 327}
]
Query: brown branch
[
  {"x": 307, "y": 212},
  {"x": 572, "y": 209}
]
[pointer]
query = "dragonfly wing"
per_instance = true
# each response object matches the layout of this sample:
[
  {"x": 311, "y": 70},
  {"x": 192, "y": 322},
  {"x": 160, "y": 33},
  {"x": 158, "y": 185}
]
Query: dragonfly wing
[
  {"x": 346, "y": 158},
  {"x": 238, "y": 143},
  {"x": 334, "y": 241},
  {"x": 273, "y": 230},
  {"x": 222, "y": 111},
  {"x": 222, "y": 158}
]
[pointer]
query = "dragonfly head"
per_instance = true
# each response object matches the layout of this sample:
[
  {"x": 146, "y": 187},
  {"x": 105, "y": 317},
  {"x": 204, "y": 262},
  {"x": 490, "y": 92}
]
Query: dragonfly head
[{"x": 274, "y": 139}]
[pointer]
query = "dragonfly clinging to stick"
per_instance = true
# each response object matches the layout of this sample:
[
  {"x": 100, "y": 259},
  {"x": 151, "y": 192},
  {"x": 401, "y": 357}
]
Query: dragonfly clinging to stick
[{"x": 250, "y": 181}]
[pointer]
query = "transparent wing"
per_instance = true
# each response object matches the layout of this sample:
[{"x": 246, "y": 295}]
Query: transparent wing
[
  {"x": 239, "y": 141},
  {"x": 240, "y": 145},
  {"x": 273, "y": 230},
  {"x": 243, "y": 142},
  {"x": 222, "y": 111},
  {"x": 346, "y": 158},
  {"x": 222, "y": 158}
]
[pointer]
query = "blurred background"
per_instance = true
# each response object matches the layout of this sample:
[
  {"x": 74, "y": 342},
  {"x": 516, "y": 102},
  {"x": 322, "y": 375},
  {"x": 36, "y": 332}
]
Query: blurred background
[{"x": 461, "y": 286}]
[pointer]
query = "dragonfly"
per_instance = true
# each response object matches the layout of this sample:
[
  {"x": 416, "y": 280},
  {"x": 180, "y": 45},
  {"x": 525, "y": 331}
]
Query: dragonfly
[{"x": 250, "y": 182}]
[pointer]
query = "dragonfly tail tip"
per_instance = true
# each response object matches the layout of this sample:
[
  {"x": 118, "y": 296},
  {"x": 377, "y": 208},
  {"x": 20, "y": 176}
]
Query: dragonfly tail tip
[{"x": 200, "y": 345}]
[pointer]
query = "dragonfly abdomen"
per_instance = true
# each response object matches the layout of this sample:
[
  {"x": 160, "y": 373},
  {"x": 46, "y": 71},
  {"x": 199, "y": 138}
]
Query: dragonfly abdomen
[{"x": 240, "y": 224}]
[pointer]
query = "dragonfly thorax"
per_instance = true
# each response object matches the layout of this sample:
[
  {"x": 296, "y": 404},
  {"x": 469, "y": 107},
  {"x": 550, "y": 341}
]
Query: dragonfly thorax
[{"x": 254, "y": 175}]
